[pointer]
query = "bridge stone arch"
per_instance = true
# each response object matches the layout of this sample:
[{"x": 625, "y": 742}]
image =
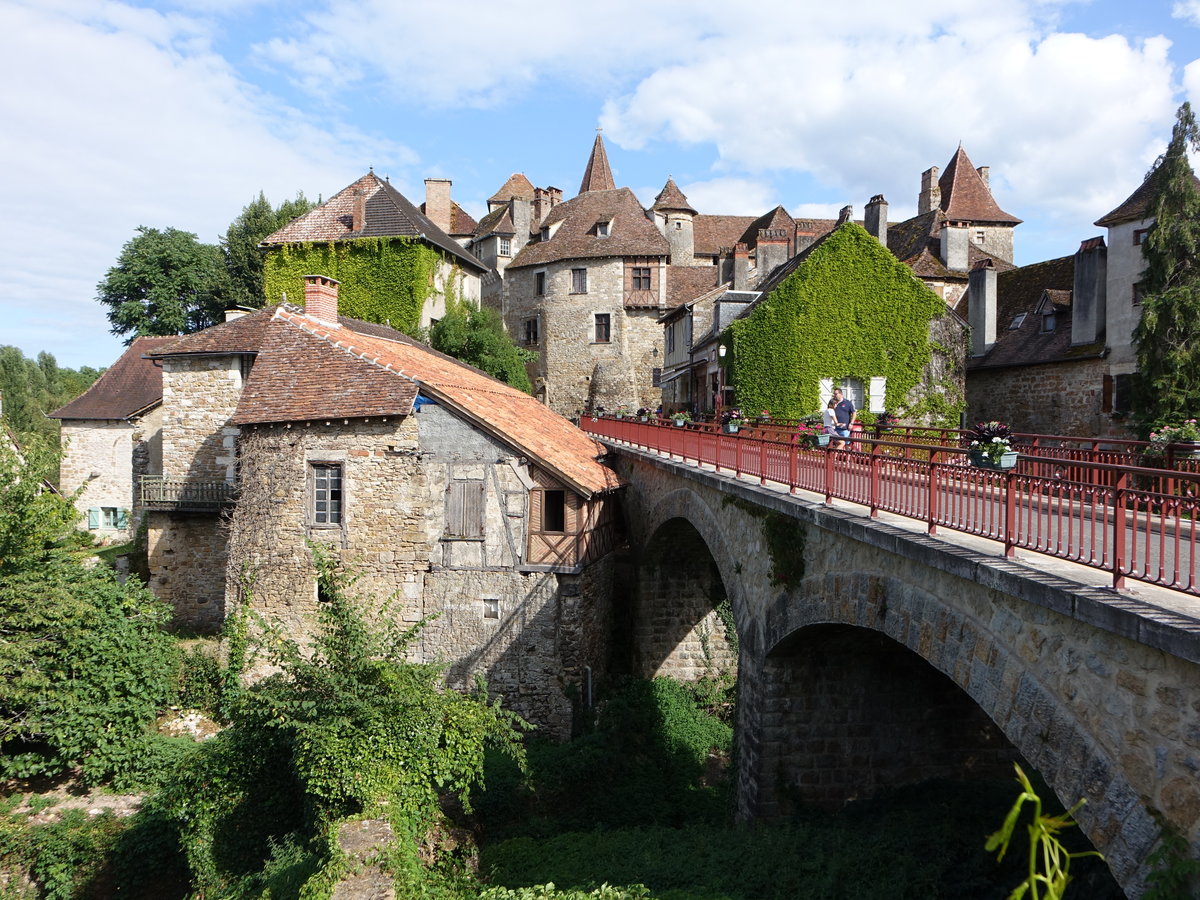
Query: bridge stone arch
[{"x": 1097, "y": 691}]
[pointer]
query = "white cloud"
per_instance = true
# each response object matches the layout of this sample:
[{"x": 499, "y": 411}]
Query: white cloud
[
  {"x": 731, "y": 196},
  {"x": 1187, "y": 9}
]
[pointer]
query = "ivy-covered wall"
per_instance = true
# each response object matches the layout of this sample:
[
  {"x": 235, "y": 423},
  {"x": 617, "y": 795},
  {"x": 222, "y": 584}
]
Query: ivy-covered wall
[
  {"x": 850, "y": 310},
  {"x": 383, "y": 280}
]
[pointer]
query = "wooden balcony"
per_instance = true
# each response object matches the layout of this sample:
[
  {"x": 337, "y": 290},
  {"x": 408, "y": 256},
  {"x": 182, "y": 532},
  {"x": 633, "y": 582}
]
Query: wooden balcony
[{"x": 184, "y": 494}]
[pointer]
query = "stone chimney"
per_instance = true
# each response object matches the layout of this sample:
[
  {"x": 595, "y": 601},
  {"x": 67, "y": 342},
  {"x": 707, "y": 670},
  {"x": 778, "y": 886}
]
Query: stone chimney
[
  {"x": 1089, "y": 295},
  {"x": 741, "y": 267},
  {"x": 931, "y": 195},
  {"x": 805, "y": 239},
  {"x": 358, "y": 213},
  {"x": 956, "y": 238},
  {"x": 773, "y": 250},
  {"x": 984, "y": 173},
  {"x": 845, "y": 214},
  {"x": 437, "y": 202},
  {"x": 981, "y": 306},
  {"x": 875, "y": 218},
  {"x": 321, "y": 298}
]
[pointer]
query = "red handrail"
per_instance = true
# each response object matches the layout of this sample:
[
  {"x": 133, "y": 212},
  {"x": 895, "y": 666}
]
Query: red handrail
[{"x": 1133, "y": 521}]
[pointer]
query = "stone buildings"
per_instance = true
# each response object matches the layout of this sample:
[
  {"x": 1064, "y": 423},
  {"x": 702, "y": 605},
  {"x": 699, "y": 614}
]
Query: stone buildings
[
  {"x": 111, "y": 438},
  {"x": 469, "y": 503}
]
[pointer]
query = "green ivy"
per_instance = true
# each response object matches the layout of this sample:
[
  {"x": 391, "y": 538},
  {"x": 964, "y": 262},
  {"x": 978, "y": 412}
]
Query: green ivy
[
  {"x": 384, "y": 280},
  {"x": 850, "y": 310}
]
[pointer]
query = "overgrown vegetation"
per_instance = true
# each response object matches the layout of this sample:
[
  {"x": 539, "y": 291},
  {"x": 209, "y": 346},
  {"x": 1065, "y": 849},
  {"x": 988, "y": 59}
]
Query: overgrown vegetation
[
  {"x": 31, "y": 389},
  {"x": 476, "y": 335}
]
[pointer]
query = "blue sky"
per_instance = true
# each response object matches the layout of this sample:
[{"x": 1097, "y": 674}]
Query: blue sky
[{"x": 121, "y": 114}]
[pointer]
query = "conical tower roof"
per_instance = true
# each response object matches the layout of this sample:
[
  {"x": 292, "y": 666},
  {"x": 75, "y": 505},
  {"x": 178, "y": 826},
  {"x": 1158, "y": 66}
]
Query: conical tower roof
[
  {"x": 597, "y": 176},
  {"x": 672, "y": 198},
  {"x": 965, "y": 197}
]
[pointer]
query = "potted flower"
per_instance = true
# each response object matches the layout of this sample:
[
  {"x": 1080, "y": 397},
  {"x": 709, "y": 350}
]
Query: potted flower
[
  {"x": 731, "y": 420},
  {"x": 1185, "y": 438},
  {"x": 811, "y": 434},
  {"x": 886, "y": 421},
  {"x": 643, "y": 414},
  {"x": 764, "y": 417},
  {"x": 681, "y": 417},
  {"x": 622, "y": 411},
  {"x": 991, "y": 446}
]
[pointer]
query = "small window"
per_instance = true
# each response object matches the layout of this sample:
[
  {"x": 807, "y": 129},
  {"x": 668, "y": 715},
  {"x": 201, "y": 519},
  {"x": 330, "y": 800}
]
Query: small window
[
  {"x": 554, "y": 511},
  {"x": 505, "y": 247},
  {"x": 641, "y": 278},
  {"x": 539, "y": 284},
  {"x": 601, "y": 229},
  {"x": 980, "y": 236},
  {"x": 327, "y": 493},
  {"x": 531, "y": 331},
  {"x": 671, "y": 338},
  {"x": 245, "y": 363},
  {"x": 678, "y": 225},
  {"x": 1017, "y": 322},
  {"x": 546, "y": 233},
  {"x": 491, "y": 608},
  {"x": 1049, "y": 322},
  {"x": 1139, "y": 236},
  {"x": 603, "y": 328},
  {"x": 108, "y": 517},
  {"x": 656, "y": 376},
  {"x": 579, "y": 281}
]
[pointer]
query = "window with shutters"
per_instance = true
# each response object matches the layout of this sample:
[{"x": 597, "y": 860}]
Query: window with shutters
[
  {"x": 464, "y": 510},
  {"x": 579, "y": 281},
  {"x": 108, "y": 517}
]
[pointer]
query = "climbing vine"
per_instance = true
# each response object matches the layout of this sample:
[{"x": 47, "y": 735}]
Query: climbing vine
[
  {"x": 851, "y": 310},
  {"x": 384, "y": 280}
]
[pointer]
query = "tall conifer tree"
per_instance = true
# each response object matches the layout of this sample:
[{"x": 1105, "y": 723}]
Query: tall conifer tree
[{"x": 1167, "y": 338}]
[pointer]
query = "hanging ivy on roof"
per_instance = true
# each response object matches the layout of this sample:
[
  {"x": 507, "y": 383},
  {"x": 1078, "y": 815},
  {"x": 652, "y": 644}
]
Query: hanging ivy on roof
[
  {"x": 384, "y": 280},
  {"x": 851, "y": 310}
]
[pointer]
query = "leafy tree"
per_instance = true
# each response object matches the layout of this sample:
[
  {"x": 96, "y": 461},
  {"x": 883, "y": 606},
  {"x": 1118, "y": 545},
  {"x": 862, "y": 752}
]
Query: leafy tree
[
  {"x": 240, "y": 243},
  {"x": 31, "y": 389},
  {"x": 476, "y": 336},
  {"x": 84, "y": 665},
  {"x": 165, "y": 282},
  {"x": 1167, "y": 338}
]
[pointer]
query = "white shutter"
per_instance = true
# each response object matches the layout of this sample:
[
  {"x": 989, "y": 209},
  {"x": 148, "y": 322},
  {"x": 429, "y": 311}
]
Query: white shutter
[
  {"x": 826, "y": 391},
  {"x": 878, "y": 392}
]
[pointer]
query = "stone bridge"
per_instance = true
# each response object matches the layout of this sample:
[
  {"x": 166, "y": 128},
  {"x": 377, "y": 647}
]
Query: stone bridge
[{"x": 870, "y": 655}]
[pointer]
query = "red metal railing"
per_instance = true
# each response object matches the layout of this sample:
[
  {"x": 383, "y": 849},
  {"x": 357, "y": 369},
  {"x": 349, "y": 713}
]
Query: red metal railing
[{"x": 1133, "y": 521}]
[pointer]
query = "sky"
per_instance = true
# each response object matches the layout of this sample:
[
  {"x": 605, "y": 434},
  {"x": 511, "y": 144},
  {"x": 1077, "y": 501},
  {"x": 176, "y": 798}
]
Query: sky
[{"x": 117, "y": 115}]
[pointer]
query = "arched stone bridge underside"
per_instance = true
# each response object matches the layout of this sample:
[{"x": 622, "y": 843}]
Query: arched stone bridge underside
[{"x": 871, "y": 657}]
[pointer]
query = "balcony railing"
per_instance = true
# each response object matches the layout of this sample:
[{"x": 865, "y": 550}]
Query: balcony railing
[{"x": 157, "y": 492}]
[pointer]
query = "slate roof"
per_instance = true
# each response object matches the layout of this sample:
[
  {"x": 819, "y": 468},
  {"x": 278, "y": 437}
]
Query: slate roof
[
  {"x": 965, "y": 197},
  {"x": 498, "y": 221},
  {"x": 1133, "y": 208},
  {"x": 597, "y": 176},
  {"x": 462, "y": 223},
  {"x": 672, "y": 198},
  {"x": 917, "y": 243},
  {"x": 129, "y": 387},
  {"x": 630, "y": 232},
  {"x": 386, "y": 213},
  {"x": 517, "y": 186},
  {"x": 1021, "y": 290}
]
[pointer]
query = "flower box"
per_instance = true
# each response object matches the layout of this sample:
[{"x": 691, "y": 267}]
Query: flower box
[
  {"x": 822, "y": 440},
  {"x": 679, "y": 423},
  {"x": 982, "y": 461},
  {"x": 730, "y": 429}
]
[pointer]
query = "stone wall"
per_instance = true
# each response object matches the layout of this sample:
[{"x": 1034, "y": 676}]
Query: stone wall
[
  {"x": 517, "y": 629},
  {"x": 200, "y": 395},
  {"x": 576, "y": 370},
  {"x": 1058, "y": 398},
  {"x": 187, "y": 558}
]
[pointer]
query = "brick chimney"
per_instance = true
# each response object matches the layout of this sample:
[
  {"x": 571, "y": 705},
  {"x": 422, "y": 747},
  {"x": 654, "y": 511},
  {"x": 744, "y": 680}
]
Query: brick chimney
[
  {"x": 931, "y": 194},
  {"x": 956, "y": 237},
  {"x": 981, "y": 306},
  {"x": 741, "y": 267},
  {"x": 321, "y": 298},
  {"x": 1089, "y": 295},
  {"x": 437, "y": 202},
  {"x": 875, "y": 218}
]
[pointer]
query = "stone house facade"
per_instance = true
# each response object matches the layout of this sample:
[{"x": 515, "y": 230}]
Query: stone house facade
[
  {"x": 469, "y": 503},
  {"x": 112, "y": 436}
]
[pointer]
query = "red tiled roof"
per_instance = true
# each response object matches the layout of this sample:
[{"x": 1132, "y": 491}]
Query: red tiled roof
[
  {"x": 916, "y": 242},
  {"x": 597, "y": 176},
  {"x": 370, "y": 207},
  {"x": 517, "y": 186},
  {"x": 672, "y": 198},
  {"x": 630, "y": 233},
  {"x": 965, "y": 198},
  {"x": 712, "y": 233},
  {"x": 241, "y": 335},
  {"x": 130, "y": 386},
  {"x": 686, "y": 283}
]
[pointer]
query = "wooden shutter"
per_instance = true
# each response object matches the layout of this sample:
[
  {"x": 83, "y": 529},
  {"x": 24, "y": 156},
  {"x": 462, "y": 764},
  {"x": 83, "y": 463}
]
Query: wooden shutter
[
  {"x": 826, "y": 391},
  {"x": 122, "y": 518},
  {"x": 877, "y": 392},
  {"x": 94, "y": 517},
  {"x": 464, "y": 509}
]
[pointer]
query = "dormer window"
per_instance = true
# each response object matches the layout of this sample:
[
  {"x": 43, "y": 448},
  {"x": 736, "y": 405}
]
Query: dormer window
[
  {"x": 505, "y": 246},
  {"x": 602, "y": 229},
  {"x": 1048, "y": 321},
  {"x": 546, "y": 233},
  {"x": 1017, "y": 322}
]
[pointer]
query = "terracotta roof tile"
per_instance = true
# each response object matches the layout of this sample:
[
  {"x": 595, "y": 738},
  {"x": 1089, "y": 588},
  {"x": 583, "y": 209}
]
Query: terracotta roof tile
[
  {"x": 358, "y": 369},
  {"x": 686, "y": 283},
  {"x": 130, "y": 386},
  {"x": 630, "y": 232},
  {"x": 965, "y": 198},
  {"x": 917, "y": 242},
  {"x": 672, "y": 198},
  {"x": 498, "y": 221},
  {"x": 597, "y": 176},
  {"x": 713, "y": 233},
  {"x": 370, "y": 207},
  {"x": 517, "y": 186},
  {"x": 241, "y": 335},
  {"x": 462, "y": 223}
]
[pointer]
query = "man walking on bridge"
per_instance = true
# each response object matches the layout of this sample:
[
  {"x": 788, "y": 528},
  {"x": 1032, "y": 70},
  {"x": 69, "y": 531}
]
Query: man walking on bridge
[{"x": 844, "y": 415}]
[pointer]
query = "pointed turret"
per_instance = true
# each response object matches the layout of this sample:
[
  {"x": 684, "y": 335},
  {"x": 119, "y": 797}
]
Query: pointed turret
[
  {"x": 597, "y": 176},
  {"x": 672, "y": 198},
  {"x": 675, "y": 218},
  {"x": 966, "y": 197}
]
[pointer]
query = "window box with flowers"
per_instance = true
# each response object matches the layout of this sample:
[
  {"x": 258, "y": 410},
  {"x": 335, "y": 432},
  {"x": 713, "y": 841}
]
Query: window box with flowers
[
  {"x": 643, "y": 413},
  {"x": 622, "y": 412},
  {"x": 991, "y": 446},
  {"x": 681, "y": 418},
  {"x": 1184, "y": 440},
  {"x": 732, "y": 420}
]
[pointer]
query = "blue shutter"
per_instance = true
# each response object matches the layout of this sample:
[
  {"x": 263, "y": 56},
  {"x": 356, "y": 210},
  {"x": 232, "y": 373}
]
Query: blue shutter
[
  {"x": 94, "y": 517},
  {"x": 122, "y": 518}
]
